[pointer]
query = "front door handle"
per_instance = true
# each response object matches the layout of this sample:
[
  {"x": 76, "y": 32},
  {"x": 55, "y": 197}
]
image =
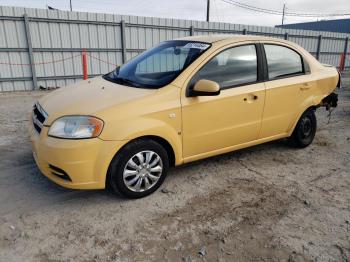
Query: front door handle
[{"x": 250, "y": 98}]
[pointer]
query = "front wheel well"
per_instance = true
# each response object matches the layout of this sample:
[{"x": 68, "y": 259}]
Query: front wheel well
[{"x": 163, "y": 142}]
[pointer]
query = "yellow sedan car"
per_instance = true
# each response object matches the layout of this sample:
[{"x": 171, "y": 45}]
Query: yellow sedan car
[{"x": 180, "y": 101}]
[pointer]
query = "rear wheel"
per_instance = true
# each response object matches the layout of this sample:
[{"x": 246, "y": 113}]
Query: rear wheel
[
  {"x": 138, "y": 169},
  {"x": 305, "y": 130}
]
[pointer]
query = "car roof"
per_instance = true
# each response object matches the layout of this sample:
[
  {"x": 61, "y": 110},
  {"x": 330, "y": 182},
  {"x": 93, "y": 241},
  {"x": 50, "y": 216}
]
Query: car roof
[{"x": 233, "y": 38}]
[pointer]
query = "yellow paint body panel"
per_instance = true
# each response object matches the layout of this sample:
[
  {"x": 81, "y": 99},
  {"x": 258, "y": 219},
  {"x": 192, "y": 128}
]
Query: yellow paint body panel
[
  {"x": 85, "y": 160},
  {"x": 195, "y": 127}
]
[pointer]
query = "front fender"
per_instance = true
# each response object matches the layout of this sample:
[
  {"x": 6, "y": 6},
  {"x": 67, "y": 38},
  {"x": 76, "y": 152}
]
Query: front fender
[{"x": 145, "y": 126}]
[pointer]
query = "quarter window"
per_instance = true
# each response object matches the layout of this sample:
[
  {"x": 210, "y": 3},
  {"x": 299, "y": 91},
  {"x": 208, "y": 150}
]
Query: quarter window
[
  {"x": 282, "y": 61},
  {"x": 232, "y": 67}
]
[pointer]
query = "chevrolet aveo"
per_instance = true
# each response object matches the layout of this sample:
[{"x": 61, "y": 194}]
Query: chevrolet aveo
[{"x": 180, "y": 101}]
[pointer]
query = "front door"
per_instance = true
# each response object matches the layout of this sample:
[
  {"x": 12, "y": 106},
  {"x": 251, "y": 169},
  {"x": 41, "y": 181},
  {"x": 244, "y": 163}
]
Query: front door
[{"x": 234, "y": 116}]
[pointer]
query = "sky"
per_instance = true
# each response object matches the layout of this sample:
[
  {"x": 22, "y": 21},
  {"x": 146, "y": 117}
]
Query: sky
[{"x": 196, "y": 9}]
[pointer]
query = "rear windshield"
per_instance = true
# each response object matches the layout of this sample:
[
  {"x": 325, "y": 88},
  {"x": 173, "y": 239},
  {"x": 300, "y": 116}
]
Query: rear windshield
[{"x": 159, "y": 65}]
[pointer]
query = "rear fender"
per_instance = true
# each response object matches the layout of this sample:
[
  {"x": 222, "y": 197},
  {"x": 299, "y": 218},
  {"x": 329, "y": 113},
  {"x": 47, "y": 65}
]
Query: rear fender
[{"x": 308, "y": 104}]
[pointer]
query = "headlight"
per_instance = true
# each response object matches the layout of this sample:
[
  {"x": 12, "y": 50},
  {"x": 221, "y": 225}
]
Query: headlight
[{"x": 75, "y": 127}]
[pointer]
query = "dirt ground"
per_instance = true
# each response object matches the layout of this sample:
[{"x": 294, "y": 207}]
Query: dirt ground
[{"x": 266, "y": 203}]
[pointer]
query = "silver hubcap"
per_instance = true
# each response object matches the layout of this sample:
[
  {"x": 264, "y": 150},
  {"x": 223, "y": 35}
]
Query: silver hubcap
[{"x": 142, "y": 171}]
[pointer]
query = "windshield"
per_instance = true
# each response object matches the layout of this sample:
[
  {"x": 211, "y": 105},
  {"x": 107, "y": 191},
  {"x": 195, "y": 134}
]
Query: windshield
[{"x": 159, "y": 65}]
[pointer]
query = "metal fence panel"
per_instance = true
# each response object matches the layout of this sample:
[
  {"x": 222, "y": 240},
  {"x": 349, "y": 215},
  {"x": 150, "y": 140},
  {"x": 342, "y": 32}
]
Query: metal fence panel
[{"x": 57, "y": 39}]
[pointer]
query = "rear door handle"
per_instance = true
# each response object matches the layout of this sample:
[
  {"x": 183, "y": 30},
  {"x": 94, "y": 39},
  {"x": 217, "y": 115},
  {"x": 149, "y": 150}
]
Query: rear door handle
[{"x": 305, "y": 86}]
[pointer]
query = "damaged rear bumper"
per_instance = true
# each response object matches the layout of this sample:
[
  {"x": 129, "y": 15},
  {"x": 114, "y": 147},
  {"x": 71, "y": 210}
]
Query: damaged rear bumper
[{"x": 330, "y": 101}]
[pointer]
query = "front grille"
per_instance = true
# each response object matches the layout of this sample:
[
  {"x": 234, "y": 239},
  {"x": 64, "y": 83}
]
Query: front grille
[{"x": 38, "y": 116}]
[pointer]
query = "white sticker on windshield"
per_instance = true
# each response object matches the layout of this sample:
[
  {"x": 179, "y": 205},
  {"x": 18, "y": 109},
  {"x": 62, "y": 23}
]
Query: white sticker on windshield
[{"x": 196, "y": 45}]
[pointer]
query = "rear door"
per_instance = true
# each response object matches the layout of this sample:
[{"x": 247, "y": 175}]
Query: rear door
[{"x": 287, "y": 87}]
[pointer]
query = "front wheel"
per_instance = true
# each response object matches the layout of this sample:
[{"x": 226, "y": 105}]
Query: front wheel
[
  {"x": 305, "y": 130},
  {"x": 138, "y": 169}
]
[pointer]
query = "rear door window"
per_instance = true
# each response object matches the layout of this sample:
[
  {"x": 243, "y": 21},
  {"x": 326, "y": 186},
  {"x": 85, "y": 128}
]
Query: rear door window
[{"x": 282, "y": 61}]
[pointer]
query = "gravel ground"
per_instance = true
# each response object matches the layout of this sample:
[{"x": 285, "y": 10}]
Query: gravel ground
[{"x": 270, "y": 202}]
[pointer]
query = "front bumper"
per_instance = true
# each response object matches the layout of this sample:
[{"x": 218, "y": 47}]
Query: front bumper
[{"x": 85, "y": 161}]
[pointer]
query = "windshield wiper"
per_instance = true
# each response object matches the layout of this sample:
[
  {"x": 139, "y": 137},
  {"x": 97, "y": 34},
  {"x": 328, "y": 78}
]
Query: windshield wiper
[
  {"x": 127, "y": 81},
  {"x": 120, "y": 80}
]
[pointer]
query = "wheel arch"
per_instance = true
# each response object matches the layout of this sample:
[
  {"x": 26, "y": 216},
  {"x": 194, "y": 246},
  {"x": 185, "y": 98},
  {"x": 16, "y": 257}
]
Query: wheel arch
[
  {"x": 160, "y": 140},
  {"x": 164, "y": 143},
  {"x": 311, "y": 107}
]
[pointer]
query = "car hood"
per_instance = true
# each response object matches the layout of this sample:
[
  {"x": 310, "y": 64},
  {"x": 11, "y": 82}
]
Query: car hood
[{"x": 88, "y": 97}]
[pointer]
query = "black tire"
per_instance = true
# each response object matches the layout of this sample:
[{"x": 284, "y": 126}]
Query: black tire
[
  {"x": 305, "y": 130},
  {"x": 115, "y": 178}
]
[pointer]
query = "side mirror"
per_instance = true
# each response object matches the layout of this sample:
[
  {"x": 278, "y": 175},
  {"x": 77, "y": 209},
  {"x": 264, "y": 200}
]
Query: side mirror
[{"x": 205, "y": 88}]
